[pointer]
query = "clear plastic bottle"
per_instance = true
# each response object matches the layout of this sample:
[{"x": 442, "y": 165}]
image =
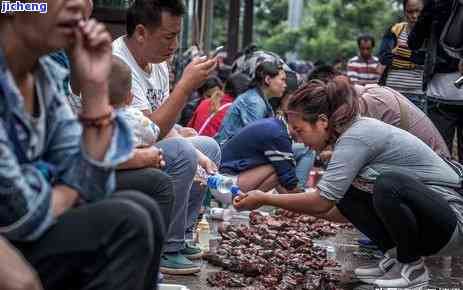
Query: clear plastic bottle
[
  {"x": 223, "y": 187},
  {"x": 204, "y": 234}
]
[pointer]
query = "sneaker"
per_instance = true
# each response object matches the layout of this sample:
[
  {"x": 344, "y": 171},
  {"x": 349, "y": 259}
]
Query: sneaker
[
  {"x": 367, "y": 244},
  {"x": 192, "y": 252},
  {"x": 369, "y": 273},
  {"x": 413, "y": 275},
  {"x": 177, "y": 264}
]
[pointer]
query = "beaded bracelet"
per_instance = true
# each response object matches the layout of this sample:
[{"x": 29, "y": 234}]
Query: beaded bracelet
[{"x": 98, "y": 122}]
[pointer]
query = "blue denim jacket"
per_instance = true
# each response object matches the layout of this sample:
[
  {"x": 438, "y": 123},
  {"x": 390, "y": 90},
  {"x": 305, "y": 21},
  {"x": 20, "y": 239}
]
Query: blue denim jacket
[
  {"x": 25, "y": 192},
  {"x": 247, "y": 108}
]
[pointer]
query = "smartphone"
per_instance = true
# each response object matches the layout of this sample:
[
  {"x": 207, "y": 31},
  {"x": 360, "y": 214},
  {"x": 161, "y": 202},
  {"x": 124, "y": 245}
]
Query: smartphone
[
  {"x": 459, "y": 83},
  {"x": 217, "y": 51}
]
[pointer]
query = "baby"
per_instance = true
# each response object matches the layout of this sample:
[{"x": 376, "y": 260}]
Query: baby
[{"x": 145, "y": 131}]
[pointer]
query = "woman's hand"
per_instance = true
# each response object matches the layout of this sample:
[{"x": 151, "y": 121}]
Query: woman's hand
[
  {"x": 249, "y": 201},
  {"x": 91, "y": 65}
]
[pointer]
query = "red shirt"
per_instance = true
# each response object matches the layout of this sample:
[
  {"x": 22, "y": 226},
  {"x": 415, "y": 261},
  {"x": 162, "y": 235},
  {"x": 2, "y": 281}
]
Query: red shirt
[{"x": 202, "y": 114}]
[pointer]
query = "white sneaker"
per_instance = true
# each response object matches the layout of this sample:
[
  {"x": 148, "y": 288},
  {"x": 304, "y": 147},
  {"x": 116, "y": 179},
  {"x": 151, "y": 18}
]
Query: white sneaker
[
  {"x": 369, "y": 273},
  {"x": 413, "y": 276}
]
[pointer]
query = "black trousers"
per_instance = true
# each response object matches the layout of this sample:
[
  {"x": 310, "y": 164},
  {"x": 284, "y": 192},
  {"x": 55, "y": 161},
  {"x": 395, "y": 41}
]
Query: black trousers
[
  {"x": 114, "y": 244},
  {"x": 153, "y": 183},
  {"x": 448, "y": 120},
  {"x": 402, "y": 212}
]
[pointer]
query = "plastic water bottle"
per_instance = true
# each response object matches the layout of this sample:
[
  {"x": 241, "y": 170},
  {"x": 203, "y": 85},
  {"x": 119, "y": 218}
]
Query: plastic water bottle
[
  {"x": 204, "y": 234},
  {"x": 224, "y": 188}
]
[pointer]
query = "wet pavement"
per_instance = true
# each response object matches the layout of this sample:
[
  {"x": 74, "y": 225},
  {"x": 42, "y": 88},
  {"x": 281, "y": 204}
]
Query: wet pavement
[{"x": 446, "y": 272}]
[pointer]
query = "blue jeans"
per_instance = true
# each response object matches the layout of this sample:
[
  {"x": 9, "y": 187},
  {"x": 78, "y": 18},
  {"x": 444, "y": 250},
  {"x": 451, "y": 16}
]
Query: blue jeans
[
  {"x": 304, "y": 162},
  {"x": 181, "y": 165},
  {"x": 209, "y": 147}
]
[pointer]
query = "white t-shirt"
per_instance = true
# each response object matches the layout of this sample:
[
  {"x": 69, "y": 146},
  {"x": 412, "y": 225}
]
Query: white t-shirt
[{"x": 150, "y": 90}]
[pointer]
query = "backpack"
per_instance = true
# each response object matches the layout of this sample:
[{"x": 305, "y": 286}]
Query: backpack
[{"x": 451, "y": 37}]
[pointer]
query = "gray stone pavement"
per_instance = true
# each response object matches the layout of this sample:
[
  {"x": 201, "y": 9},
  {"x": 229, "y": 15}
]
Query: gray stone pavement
[{"x": 446, "y": 272}]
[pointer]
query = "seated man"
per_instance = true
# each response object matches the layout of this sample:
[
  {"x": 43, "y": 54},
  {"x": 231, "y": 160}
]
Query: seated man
[
  {"x": 261, "y": 156},
  {"x": 58, "y": 205},
  {"x": 153, "y": 28},
  {"x": 181, "y": 157}
]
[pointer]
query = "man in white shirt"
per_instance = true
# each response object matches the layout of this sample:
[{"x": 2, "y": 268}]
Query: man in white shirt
[{"x": 153, "y": 28}]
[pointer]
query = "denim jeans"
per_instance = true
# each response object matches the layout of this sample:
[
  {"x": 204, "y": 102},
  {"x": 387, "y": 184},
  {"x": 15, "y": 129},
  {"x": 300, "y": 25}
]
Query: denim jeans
[
  {"x": 211, "y": 149},
  {"x": 304, "y": 162},
  {"x": 181, "y": 165}
]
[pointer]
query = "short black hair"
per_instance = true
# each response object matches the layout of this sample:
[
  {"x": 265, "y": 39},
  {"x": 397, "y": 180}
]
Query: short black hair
[
  {"x": 120, "y": 81},
  {"x": 148, "y": 12},
  {"x": 211, "y": 82},
  {"x": 236, "y": 84},
  {"x": 266, "y": 68},
  {"x": 324, "y": 73},
  {"x": 366, "y": 37}
]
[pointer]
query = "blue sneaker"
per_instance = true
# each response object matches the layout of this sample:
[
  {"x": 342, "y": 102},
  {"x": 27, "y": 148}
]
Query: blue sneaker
[
  {"x": 177, "y": 264},
  {"x": 192, "y": 252}
]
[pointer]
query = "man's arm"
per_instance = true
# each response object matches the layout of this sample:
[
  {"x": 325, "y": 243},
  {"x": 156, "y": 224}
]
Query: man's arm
[
  {"x": 15, "y": 273},
  {"x": 143, "y": 158},
  {"x": 194, "y": 75}
]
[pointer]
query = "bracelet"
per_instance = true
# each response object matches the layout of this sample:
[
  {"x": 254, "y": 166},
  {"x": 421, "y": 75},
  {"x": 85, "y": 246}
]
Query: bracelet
[{"x": 98, "y": 122}]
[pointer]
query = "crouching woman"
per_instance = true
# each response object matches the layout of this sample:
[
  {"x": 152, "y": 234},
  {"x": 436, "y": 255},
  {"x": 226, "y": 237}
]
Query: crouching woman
[{"x": 385, "y": 181}]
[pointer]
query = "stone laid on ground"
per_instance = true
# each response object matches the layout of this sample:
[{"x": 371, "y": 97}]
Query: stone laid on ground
[{"x": 274, "y": 252}]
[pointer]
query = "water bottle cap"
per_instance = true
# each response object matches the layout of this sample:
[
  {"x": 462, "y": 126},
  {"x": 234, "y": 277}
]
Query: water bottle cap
[
  {"x": 235, "y": 190},
  {"x": 212, "y": 182}
]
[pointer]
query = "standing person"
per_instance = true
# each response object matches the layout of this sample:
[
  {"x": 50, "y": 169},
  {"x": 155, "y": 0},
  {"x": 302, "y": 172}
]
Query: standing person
[
  {"x": 445, "y": 101},
  {"x": 363, "y": 69},
  {"x": 404, "y": 67},
  {"x": 269, "y": 82},
  {"x": 386, "y": 182},
  {"x": 57, "y": 173},
  {"x": 152, "y": 37}
]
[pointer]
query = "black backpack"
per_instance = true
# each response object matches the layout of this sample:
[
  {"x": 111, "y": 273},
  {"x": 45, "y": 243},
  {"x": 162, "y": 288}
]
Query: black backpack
[{"x": 452, "y": 36}]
